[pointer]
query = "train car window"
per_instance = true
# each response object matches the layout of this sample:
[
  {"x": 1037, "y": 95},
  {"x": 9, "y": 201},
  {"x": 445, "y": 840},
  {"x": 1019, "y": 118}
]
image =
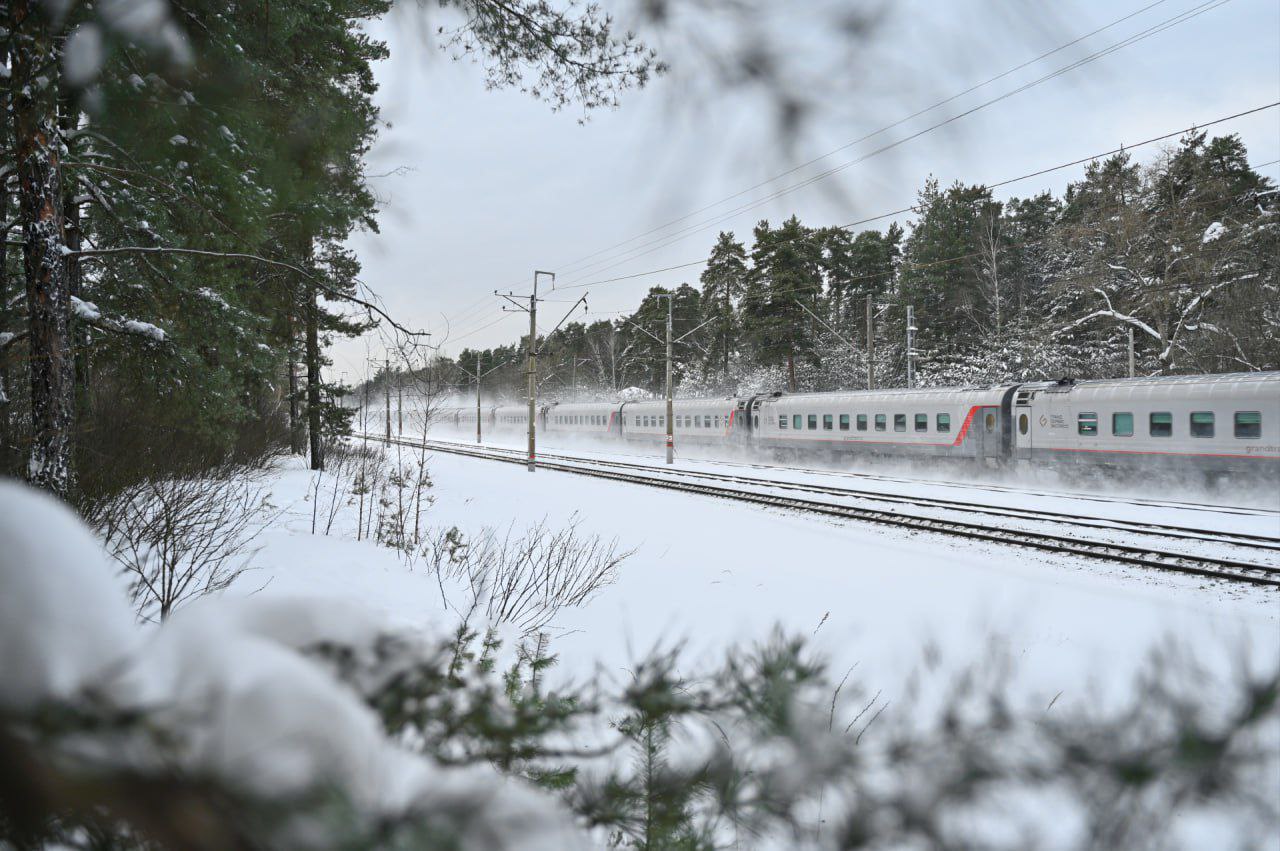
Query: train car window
[
  {"x": 862, "y": 422},
  {"x": 1122, "y": 424},
  {"x": 1249, "y": 424},
  {"x": 1160, "y": 424},
  {"x": 1202, "y": 423},
  {"x": 844, "y": 422},
  {"x": 782, "y": 421},
  {"x": 899, "y": 422},
  {"x": 922, "y": 422},
  {"x": 943, "y": 422},
  {"x": 880, "y": 422},
  {"x": 797, "y": 421},
  {"x": 1087, "y": 424},
  {"x": 662, "y": 421},
  {"x": 828, "y": 422},
  {"x": 813, "y": 422},
  {"x": 697, "y": 421}
]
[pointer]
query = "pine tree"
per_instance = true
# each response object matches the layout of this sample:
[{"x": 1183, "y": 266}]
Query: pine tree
[
  {"x": 786, "y": 272},
  {"x": 723, "y": 285}
]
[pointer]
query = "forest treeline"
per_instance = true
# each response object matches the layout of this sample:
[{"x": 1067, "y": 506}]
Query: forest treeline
[
  {"x": 177, "y": 183},
  {"x": 1182, "y": 250}
]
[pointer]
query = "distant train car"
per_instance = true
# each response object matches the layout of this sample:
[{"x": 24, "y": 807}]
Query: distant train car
[
  {"x": 952, "y": 423},
  {"x": 703, "y": 421},
  {"x": 592, "y": 419},
  {"x": 512, "y": 418},
  {"x": 1211, "y": 423}
]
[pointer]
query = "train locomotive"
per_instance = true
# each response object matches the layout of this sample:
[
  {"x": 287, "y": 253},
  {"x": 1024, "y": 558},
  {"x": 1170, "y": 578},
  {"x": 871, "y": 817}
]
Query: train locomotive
[{"x": 1216, "y": 424}]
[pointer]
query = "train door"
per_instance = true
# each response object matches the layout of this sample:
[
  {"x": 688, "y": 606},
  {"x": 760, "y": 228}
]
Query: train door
[
  {"x": 1022, "y": 440},
  {"x": 989, "y": 433},
  {"x": 743, "y": 417}
]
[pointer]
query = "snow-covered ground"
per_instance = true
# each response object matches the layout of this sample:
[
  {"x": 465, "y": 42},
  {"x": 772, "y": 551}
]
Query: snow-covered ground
[{"x": 714, "y": 575}]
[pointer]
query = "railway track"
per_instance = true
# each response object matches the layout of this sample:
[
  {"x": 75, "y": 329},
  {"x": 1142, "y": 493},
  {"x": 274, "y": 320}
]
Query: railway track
[
  {"x": 988, "y": 486},
  {"x": 1063, "y": 535}
]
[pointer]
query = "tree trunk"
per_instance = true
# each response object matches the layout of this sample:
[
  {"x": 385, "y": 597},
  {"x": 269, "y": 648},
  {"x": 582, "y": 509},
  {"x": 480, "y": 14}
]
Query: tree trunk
[
  {"x": 6, "y": 402},
  {"x": 313, "y": 380},
  {"x": 72, "y": 233},
  {"x": 40, "y": 202},
  {"x": 296, "y": 442}
]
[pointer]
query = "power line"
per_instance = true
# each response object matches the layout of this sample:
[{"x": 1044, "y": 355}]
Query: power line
[
  {"x": 569, "y": 266},
  {"x": 998, "y": 184},
  {"x": 682, "y": 233}
]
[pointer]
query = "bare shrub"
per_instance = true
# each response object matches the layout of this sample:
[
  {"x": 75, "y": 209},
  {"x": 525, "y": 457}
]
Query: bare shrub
[
  {"x": 524, "y": 580},
  {"x": 181, "y": 538}
]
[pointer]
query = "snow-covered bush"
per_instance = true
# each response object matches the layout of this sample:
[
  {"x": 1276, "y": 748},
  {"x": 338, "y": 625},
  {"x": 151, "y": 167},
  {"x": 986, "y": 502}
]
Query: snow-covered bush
[
  {"x": 179, "y": 538},
  {"x": 524, "y": 580}
]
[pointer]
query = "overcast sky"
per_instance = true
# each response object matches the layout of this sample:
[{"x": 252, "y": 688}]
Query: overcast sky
[{"x": 483, "y": 187}]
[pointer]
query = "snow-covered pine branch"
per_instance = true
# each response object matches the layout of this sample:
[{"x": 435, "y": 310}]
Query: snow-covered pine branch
[{"x": 88, "y": 312}]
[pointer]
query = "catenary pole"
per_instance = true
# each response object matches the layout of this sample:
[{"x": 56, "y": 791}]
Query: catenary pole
[
  {"x": 671, "y": 445},
  {"x": 532, "y": 370},
  {"x": 1131, "y": 358},
  {"x": 478, "y": 435},
  {"x": 532, "y": 367}
]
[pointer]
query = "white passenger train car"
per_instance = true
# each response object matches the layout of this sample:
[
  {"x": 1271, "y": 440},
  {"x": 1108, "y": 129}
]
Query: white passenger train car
[
  {"x": 703, "y": 421},
  {"x": 592, "y": 419},
  {"x": 511, "y": 417},
  {"x": 1213, "y": 423},
  {"x": 965, "y": 423}
]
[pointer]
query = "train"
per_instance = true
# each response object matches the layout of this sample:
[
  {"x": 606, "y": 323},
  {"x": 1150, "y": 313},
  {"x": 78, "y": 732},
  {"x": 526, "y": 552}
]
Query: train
[{"x": 1216, "y": 424}]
